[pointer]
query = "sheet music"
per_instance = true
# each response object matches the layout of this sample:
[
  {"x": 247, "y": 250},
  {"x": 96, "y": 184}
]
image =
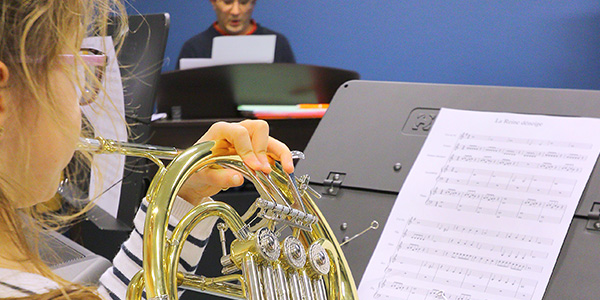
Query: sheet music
[
  {"x": 107, "y": 116},
  {"x": 485, "y": 208}
]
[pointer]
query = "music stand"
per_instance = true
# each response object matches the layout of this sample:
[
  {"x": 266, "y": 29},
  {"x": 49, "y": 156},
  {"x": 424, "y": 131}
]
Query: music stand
[{"x": 382, "y": 126}]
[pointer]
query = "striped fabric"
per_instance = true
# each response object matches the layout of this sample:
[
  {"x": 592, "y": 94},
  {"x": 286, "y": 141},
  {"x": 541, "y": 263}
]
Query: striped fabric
[
  {"x": 113, "y": 283},
  {"x": 15, "y": 283}
]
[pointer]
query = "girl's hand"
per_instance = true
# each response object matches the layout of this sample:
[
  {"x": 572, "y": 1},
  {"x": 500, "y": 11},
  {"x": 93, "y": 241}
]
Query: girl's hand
[{"x": 251, "y": 141}]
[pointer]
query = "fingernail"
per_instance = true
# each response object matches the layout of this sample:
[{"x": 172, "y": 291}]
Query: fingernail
[
  {"x": 257, "y": 163},
  {"x": 237, "y": 179}
]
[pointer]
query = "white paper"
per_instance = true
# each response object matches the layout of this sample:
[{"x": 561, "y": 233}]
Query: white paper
[
  {"x": 235, "y": 49},
  {"x": 485, "y": 208},
  {"x": 192, "y": 63},
  {"x": 244, "y": 48},
  {"x": 107, "y": 116}
]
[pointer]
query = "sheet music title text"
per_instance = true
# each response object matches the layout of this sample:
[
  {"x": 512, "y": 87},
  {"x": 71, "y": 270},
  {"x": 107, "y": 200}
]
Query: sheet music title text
[{"x": 516, "y": 122}]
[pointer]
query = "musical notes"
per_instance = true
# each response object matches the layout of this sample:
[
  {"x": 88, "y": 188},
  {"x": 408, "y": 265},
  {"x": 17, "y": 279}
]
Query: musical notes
[
  {"x": 504, "y": 251},
  {"x": 498, "y": 180},
  {"x": 506, "y": 162},
  {"x": 511, "y": 152},
  {"x": 441, "y": 274},
  {"x": 400, "y": 290},
  {"x": 551, "y": 211},
  {"x": 526, "y": 141},
  {"x": 417, "y": 248},
  {"x": 475, "y": 232},
  {"x": 484, "y": 210}
]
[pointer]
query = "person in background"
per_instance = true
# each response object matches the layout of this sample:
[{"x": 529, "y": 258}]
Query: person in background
[
  {"x": 234, "y": 17},
  {"x": 41, "y": 64}
]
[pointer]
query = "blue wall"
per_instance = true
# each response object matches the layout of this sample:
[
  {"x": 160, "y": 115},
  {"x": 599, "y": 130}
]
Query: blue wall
[{"x": 502, "y": 42}]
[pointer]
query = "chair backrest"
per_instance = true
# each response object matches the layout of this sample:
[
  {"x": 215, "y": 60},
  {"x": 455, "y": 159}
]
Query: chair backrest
[{"x": 141, "y": 60}]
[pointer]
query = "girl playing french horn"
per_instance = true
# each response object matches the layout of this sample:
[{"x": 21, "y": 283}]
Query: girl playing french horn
[{"x": 40, "y": 124}]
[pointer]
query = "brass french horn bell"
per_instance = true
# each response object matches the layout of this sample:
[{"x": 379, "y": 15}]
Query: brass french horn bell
[{"x": 261, "y": 265}]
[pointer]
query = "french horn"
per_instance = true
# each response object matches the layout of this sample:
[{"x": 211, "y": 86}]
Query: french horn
[{"x": 261, "y": 265}]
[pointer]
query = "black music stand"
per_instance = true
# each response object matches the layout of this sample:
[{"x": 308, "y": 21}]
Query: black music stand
[
  {"x": 215, "y": 92},
  {"x": 382, "y": 127}
]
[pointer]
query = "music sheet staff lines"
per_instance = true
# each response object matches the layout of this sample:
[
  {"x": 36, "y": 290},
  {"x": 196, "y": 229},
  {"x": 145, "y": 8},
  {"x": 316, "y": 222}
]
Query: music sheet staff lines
[
  {"x": 504, "y": 251},
  {"x": 503, "y": 236},
  {"x": 468, "y": 183},
  {"x": 441, "y": 275},
  {"x": 515, "y": 163},
  {"x": 521, "y": 141},
  {"x": 507, "y": 181},
  {"x": 511, "y": 152},
  {"x": 420, "y": 238},
  {"x": 426, "y": 237},
  {"x": 549, "y": 211},
  {"x": 402, "y": 291},
  {"x": 416, "y": 248},
  {"x": 485, "y": 208}
]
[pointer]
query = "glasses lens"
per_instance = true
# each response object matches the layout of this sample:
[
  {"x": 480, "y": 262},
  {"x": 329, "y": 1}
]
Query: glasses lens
[{"x": 90, "y": 75}]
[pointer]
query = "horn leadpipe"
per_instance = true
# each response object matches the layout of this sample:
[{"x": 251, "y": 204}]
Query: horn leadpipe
[{"x": 100, "y": 145}]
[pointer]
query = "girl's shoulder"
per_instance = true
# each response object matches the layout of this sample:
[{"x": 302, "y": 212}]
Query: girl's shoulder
[{"x": 14, "y": 283}]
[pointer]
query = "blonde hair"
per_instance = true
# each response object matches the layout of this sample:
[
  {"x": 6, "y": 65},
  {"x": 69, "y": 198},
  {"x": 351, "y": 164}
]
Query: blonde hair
[{"x": 33, "y": 33}]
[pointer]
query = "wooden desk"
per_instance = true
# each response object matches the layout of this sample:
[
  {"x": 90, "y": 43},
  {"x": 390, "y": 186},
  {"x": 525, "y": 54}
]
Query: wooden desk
[{"x": 184, "y": 133}]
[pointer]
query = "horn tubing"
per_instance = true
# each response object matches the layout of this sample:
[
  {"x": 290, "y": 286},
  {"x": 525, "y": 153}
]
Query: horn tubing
[
  {"x": 159, "y": 274},
  {"x": 322, "y": 232},
  {"x": 190, "y": 220},
  {"x": 104, "y": 146},
  {"x": 161, "y": 195}
]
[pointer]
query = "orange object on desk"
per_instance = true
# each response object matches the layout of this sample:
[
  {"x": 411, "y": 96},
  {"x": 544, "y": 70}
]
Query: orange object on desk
[{"x": 313, "y": 105}]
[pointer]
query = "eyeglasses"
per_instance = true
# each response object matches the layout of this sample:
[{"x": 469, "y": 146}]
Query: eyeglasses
[
  {"x": 240, "y": 2},
  {"x": 90, "y": 74}
]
